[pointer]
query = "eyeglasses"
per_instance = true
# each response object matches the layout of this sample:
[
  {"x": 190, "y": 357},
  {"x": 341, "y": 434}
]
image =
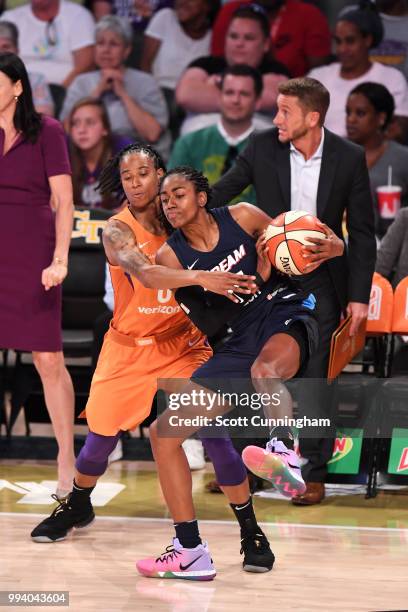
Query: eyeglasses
[{"x": 51, "y": 33}]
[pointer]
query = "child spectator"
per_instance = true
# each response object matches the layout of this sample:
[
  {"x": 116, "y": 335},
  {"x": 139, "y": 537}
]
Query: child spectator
[{"x": 91, "y": 145}]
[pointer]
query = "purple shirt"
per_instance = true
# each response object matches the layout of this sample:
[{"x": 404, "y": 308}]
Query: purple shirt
[{"x": 125, "y": 8}]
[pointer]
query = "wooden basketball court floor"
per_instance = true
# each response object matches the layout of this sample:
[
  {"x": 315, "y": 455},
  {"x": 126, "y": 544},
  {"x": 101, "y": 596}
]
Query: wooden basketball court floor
[{"x": 348, "y": 554}]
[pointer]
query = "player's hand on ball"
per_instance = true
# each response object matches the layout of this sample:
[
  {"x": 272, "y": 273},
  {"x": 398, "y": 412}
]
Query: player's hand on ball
[
  {"x": 322, "y": 248},
  {"x": 264, "y": 267},
  {"x": 228, "y": 284},
  {"x": 53, "y": 275}
]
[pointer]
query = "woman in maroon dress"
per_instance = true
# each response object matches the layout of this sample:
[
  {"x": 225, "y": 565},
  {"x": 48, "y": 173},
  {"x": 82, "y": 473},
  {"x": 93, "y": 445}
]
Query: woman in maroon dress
[{"x": 34, "y": 243}]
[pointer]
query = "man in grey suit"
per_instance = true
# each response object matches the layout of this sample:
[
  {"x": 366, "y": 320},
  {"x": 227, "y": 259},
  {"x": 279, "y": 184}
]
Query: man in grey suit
[{"x": 301, "y": 165}]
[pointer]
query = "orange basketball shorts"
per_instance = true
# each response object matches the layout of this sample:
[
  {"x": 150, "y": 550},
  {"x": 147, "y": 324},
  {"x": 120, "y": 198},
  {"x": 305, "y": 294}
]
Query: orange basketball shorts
[{"x": 126, "y": 377}]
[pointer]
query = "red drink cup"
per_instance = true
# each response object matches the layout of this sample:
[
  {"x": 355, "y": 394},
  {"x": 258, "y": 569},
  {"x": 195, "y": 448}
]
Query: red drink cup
[{"x": 389, "y": 201}]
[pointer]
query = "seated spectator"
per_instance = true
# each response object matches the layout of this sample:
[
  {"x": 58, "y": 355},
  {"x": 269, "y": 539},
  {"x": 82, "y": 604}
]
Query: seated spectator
[
  {"x": 173, "y": 39},
  {"x": 56, "y": 38},
  {"x": 138, "y": 14},
  {"x": 393, "y": 50},
  {"x": 203, "y": 120},
  {"x": 91, "y": 145},
  {"x": 392, "y": 256},
  {"x": 392, "y": 262},
  {"x": 369, "y": 111},
  {"x": 356, "y": 32},
  {"x": 176, "y": 37},
  {"x": 299, "y": 32},
  {"x": 247, "y": 43},
  {"x": 133, "y": 100},
  {"x": 214, "y": 149},
  {"x": 42, "y": 98}
]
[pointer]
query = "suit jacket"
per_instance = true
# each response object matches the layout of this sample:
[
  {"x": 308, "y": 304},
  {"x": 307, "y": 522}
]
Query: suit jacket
[{"x": 343, "y": 186}]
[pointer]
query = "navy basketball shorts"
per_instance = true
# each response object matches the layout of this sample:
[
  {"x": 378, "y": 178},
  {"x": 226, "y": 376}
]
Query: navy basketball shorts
[{"x": 292, "y": 315}]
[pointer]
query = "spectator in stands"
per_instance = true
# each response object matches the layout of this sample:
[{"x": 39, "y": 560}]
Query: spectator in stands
[
  {"x": 369, "y": 111},
  {"x": 176, "y": 37},
  {"x": 356, "y": 32},
  {"x": 133, "y": 100},
  {"x": 173, "y": 39},
  {"x": 247, "y": 43},
  {"x": 138, "y": 14},
  {"x": 214, "y": 149},
  {"x": 299, "y": 32},
  {"x": 393, "y": 50},
  {"x": 392, "y": 262},
  {"x": 41, "y": 92},
  {"x": 56, "y": 38},
  {"x": 91, "y": 145},
  {"x": 392, "y": 256}
]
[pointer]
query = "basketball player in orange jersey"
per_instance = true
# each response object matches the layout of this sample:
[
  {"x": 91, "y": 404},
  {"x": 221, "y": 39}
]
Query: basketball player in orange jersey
[{"x": 149, "y": 338}]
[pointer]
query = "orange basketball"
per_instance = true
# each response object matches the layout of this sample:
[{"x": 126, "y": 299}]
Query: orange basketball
[{"x": 286, "y": 236}]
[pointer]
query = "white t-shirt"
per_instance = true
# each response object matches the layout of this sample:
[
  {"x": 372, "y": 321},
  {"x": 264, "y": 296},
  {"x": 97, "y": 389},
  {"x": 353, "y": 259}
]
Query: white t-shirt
[
  {"x": 202, "y": 120},
  {"x": 177, "y": 50},
  {"x": 340, "y": 88},
  {"x": 393, "y": 49},
  {"x": 72, "y": 29}
]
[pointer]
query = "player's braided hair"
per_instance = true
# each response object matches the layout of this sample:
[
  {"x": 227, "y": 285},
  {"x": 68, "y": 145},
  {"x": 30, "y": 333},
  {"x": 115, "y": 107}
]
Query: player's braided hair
[
  {"x": 196, "y": 177},
  {"x": 109, "y": 180}
]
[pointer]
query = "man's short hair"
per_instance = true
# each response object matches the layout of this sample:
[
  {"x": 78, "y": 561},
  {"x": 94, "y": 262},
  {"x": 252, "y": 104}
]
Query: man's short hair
[
  {"x": 312, "y": 94},
  {"x": 245, "y": 71}
]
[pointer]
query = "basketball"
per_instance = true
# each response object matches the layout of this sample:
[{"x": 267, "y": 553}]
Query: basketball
[{"x": 286, "y": 236}]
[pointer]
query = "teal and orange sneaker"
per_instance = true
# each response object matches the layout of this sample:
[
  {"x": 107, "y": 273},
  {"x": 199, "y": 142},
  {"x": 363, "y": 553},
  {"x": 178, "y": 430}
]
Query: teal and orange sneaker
[
  {"x": 178, "y": 562},
  {"x": 278, "y": 464}
]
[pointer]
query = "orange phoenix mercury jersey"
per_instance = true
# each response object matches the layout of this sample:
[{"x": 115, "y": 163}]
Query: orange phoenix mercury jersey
[
  {"x": 150, "y": 340},
  {"x": 139, "y": 311}
]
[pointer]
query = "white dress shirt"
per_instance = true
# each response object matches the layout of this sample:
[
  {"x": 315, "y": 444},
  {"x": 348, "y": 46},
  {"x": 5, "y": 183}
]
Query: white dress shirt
[{"x": 304, "y": 178}]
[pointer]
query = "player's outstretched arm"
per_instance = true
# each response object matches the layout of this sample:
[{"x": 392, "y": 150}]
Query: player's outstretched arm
[
  {"x": 194, "y": 301},
  {"x": 121, "y": 250}
]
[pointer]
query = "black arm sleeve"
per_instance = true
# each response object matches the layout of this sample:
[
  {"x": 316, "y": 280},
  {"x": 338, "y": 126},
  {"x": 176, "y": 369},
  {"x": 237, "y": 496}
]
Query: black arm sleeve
[
  {"x": 204, "y": 311},
  {"x": 238, "y": 177}
]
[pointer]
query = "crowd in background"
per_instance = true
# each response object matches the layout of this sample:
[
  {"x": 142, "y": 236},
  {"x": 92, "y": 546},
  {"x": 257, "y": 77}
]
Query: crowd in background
[{"x": 195, "y": 78}]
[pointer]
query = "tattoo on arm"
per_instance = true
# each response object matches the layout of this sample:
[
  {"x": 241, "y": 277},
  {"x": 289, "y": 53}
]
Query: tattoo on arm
[{"x": 122, "y": 241}]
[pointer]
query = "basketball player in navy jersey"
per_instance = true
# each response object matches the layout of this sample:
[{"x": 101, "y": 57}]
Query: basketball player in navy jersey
[{"x": 274, "y": 332}]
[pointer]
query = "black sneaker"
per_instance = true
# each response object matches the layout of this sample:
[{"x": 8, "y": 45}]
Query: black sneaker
[
  {"x": 56, "y": 527},
  {"x": 258, "y": 556}
]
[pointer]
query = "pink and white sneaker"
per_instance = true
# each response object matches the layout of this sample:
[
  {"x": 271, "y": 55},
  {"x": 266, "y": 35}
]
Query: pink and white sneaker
[
  {"x": 278, "y": 464},
  {"x": 178, "y": 562}
]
